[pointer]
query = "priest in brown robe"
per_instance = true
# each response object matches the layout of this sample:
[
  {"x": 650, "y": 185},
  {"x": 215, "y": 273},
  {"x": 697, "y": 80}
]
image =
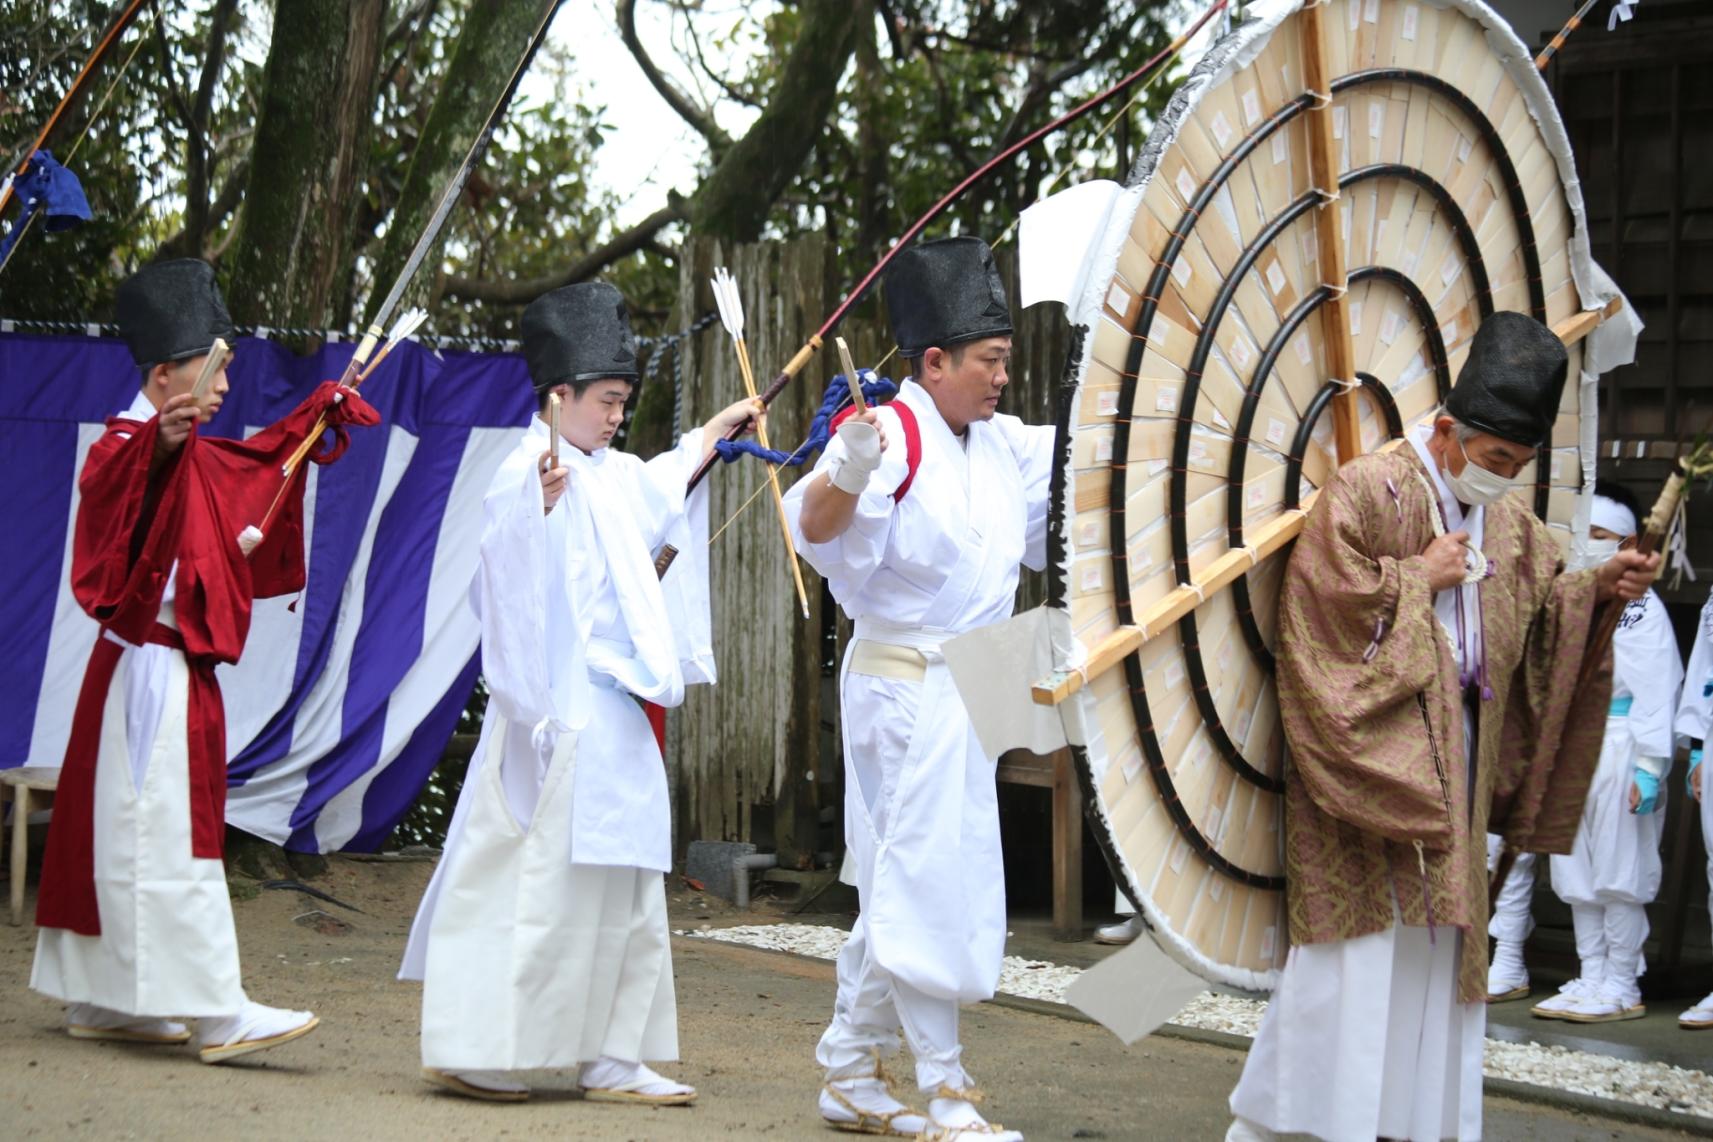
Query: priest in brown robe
[{"x": 1430, "y": 672}]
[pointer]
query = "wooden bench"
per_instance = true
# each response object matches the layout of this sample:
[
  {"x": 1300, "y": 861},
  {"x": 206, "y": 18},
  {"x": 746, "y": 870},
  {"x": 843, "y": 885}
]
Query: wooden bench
[
  {"x": 19, "y": 786},
  {"x": 1056, "y": 771}
]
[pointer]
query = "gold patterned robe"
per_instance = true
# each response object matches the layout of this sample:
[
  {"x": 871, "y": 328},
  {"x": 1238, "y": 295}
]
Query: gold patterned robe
[{"x": 1378, "y": 788}]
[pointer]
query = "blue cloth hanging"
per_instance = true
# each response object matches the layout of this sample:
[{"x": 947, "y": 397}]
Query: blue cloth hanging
[
  {"x": 838, "y": 395},
  {"x": 51, "y": 189}
]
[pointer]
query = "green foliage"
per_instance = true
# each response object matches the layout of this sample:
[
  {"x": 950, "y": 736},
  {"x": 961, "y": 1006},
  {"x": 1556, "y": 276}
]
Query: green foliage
[{"x": 950, "y": 79}]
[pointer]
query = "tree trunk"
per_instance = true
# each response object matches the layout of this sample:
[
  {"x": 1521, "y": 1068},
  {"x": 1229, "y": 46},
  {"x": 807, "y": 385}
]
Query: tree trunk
[
  {"x": 312, "y": 141},
  {"x": 873, "y": 192},
  {"x": 489, "y": 46},
  {"x": 733, "y": 202}
]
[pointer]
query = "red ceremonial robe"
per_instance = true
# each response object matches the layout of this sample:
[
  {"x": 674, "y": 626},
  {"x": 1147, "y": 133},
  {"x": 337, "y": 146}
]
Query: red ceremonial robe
[{"x": 130, "y": 533}]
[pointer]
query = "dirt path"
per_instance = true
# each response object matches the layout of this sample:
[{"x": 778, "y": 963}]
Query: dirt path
[{"x": 748, "y": 1025}]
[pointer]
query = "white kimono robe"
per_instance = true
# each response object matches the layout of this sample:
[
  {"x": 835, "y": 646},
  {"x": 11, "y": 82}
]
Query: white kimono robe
[
  {"x": 167, "y": 945},
  {"x": 921, "y": 815},
  {"x": 1616, "y": 855},
  {"x": 1695, "y": 717},
  {"x": 542, "y": 939}
]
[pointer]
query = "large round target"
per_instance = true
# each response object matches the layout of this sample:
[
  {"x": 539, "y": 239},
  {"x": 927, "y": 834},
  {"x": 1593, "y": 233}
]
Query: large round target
[{"x": 1329, "y": 207}]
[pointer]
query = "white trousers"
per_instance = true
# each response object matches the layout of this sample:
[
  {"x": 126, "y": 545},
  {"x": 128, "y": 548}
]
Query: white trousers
[
  {"x": 1609, "y": 939},
  {"x": 1365, "y": 1039},
  {"x": 870, "y": 1008},
  {"x": 167, "y": 944},
  {"x": 1615, "y": 858},
  {"x": 531, "y": 961},
  {"x": 1513, "y": 917}
]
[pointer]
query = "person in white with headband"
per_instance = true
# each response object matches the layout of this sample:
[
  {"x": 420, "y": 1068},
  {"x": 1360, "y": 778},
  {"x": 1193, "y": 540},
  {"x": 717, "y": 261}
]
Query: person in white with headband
[
  {"x": 1613, "y": 871},
  {"x": 1694, "y": 713}
]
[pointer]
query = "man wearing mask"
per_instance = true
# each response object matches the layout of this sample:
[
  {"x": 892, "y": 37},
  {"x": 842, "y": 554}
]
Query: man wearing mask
[
  {"x": 1613, "y": 871},
  {"x": 1431, "y": 687}
]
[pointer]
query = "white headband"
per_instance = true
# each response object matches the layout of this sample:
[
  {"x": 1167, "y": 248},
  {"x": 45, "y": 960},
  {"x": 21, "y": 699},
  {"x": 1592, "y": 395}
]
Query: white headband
[{"x": 1612, "y": 516}]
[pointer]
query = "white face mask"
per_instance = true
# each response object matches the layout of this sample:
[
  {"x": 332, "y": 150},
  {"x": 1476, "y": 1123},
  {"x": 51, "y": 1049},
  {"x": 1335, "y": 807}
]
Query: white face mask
[
  {"x": 1477, "y": 485},
  {"x": 1594, "y": 553}
]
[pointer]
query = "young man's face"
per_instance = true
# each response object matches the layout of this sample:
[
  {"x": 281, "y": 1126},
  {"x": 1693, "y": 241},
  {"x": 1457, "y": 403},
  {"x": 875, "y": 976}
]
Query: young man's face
[
  {"x": 588, "y": 420},
  {"x": 966, "y": 385},
  {"x": 168, "y": 380}
]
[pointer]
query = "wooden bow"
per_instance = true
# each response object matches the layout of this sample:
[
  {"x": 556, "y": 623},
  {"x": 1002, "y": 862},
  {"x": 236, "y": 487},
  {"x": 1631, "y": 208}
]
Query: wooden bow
[
  {"x": 813, "y": 345},
  {"x": 102, "y": 47}
]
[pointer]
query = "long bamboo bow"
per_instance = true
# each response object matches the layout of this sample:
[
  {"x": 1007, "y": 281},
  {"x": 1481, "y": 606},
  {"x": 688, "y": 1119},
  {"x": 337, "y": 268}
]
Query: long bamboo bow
[
  {"x": 102, "y": 47},
  {"x": 8, "y": 185},
  {"x": 813, "y": 345}
]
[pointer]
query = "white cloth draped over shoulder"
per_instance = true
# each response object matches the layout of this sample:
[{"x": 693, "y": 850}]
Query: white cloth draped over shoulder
[
  {"x": 541, "y": 940},
  {"x": 921, "y": 818}
]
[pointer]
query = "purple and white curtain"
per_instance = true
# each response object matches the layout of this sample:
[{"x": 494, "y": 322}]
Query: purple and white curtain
[{"x": 346, "y": 695}]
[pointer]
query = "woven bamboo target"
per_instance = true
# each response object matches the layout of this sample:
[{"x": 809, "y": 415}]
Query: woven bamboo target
[{"x": 1332, "y": 203}]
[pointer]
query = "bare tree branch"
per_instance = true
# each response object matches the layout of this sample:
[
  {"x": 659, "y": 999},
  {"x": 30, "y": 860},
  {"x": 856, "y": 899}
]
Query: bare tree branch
[
  {"x": 726, "y": 86},
  {"x": 1043, "y": 85},
  {"x": 518, "y": 291},
  {"x": 188, "y": 242},
  {"x": 697, "y": 117}
]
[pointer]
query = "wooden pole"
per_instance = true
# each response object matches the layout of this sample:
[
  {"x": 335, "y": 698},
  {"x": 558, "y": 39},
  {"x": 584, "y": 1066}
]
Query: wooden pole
[{"x": 1329, "y": 235}]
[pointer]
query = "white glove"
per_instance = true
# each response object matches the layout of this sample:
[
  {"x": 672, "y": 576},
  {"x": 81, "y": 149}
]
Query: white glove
[
  {"x": 249, "y": 539},
  {"x": 861, "y": 459}
]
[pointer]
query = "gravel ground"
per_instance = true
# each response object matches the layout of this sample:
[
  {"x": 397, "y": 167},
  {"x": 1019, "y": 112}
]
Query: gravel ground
[{"x": 1655, "y": 1084}]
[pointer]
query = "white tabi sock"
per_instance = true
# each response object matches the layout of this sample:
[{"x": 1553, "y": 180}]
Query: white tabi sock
[
  {"x": 89, "y": 1017},
  {"x": 253, "y": 1021},
  {"x": 615, "y": 1074}
]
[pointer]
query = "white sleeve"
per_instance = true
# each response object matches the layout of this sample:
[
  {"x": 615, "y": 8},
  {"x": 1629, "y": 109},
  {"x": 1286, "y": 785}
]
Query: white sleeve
[
  {"x": 849, "y": 560},
  {"x": 1653, "y": 647},
  {"x": 510, "y": 595},
  {"x": 1695, "y": 705},
  {"x": 670, "y": 516},
  {"x": 1032, "y": 444}
]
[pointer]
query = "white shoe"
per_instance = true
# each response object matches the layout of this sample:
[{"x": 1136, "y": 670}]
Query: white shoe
[
  {"x": 87, "y": 1021},
  {"x": 489, "y": 1086},
  {"x": 1502, "y": 989},
  {"x": 1124, "y": 931},
  {"x": 613, "y": 1080},
  {"x": 255, "y": 1028},
  {"x": 1611, "y": 1003},
  {"x": 867, "y": 1106},
  {"x": 957, "y": 1120},
  {"x": 1243, "y": 1130},
  {"x": 1568, "y": 996},
  {"x": 1699, "y": 1017}
]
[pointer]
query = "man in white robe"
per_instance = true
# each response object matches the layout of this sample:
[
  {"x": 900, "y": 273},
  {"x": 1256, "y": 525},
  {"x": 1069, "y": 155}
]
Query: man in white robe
[
  {"x": 918, "y": 515},
  {"x": 1694, "y": 720},
  {"x": 542, "y": 940},
  {"x": 1614, "y": 870}
]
